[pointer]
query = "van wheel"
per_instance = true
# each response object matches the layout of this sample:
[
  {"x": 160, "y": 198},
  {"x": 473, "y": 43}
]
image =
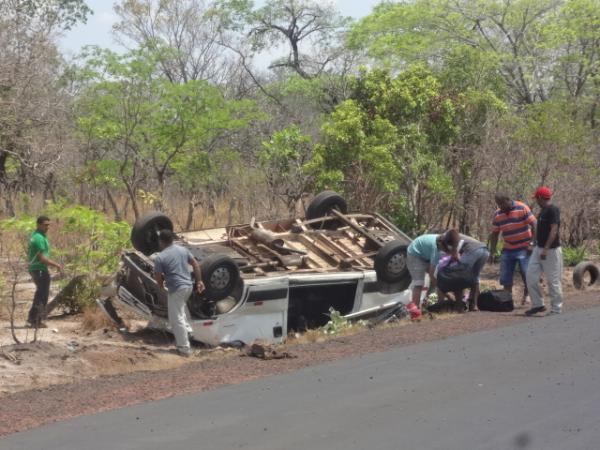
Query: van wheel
[
  {"x": 580, "y": 271},
  {"x": 144, "y": 233},
  {"x": 322, "y": 205},
  {"x": 390, "y": 264},
  {"x": 220, "y": 275}
]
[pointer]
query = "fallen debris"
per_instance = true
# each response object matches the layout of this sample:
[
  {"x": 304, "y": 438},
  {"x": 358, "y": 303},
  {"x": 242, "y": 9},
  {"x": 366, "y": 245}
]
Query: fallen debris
[
  {"x": 12, "y": 357},
  {"x": 266, "y": 352}
]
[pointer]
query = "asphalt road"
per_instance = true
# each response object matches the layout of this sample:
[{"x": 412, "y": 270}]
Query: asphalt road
[{"x": 529, "y": 386}]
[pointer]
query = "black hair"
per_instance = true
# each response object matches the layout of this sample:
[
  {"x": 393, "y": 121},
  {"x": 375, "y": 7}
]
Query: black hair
[
  {"x": 166, "y": 236},
  {"x": 42, "y": 219}
]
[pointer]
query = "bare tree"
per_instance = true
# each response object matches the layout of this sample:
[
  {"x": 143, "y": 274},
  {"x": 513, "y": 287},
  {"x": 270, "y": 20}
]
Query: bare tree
[
  {"x": 187, "y": 27},
  {"x": 33, "y": 107}
]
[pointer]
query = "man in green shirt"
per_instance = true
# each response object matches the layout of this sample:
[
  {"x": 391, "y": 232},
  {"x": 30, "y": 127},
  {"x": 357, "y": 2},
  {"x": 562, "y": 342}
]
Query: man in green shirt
[{"x": 39, "y": 261}]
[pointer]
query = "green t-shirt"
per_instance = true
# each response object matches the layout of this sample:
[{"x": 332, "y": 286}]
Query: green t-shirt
[{"x": 38, "y": 243}]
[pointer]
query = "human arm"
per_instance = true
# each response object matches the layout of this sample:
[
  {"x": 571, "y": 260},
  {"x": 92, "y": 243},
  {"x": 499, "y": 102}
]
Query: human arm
[
  {"x": 160, "y": 280},
  {"x": 533, "y": 227},
  {"x": 197, "y": 274},
  {"x": 158, "y": 274},
  {"x": 551, "y": 237},
  {"x": 432, "y": 279},
  {"x": 553, "y": 216},
  {"x": 48, "y": 262},
  {"x": 532, "y": 222}
]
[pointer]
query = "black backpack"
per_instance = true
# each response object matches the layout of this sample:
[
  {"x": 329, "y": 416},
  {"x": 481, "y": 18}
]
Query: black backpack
[
  {"x": 497, "y": 301},
  {"x": 455, "y": 277}
]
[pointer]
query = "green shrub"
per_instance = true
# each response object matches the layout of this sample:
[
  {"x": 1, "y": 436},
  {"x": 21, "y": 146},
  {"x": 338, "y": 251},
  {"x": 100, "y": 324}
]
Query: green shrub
[
  {"x": 338, "y": 323},
  {"x": 82, "y": 239},
  {"x": 573, "y": 255}
]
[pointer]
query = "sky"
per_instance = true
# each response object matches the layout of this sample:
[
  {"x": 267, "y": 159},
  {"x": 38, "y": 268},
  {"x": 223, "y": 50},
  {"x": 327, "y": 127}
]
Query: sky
[{"x": 97, "y": 30}]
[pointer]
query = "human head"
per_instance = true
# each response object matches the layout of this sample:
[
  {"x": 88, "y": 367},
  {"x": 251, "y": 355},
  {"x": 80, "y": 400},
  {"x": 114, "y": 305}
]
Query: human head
[
  {"x": 165, "y": 238},
  {"x": 543, "y": 195},
  {"x": 503, "y": 201},
  {"x": 43, "y": 223},
  {"x": 442, "y": 241}
]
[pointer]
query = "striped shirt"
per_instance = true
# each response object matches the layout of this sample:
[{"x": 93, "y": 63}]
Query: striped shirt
[{"x": 514, "y": 226}]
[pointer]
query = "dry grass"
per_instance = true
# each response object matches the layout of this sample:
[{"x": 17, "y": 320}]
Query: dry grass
[{"x": 94, "y": 319}]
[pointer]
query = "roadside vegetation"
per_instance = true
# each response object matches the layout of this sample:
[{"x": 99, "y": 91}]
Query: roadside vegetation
[{"x": 421, "y": 110}]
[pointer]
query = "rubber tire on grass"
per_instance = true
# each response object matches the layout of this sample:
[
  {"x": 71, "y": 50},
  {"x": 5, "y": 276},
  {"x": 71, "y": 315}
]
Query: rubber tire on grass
[
  {"x": 390, "y": 264},
  {"x": 579, "y": 274},
  {"x": 322, "y": 205},
  {"x": 144, "y": 233},
  {"x": 220, "y": 275}
]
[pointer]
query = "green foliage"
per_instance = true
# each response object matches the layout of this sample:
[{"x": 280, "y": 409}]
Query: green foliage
[
  {"x": 573, "y": 255},
  {"x": 145, "y": 124},
  {"x": 63, "y": 14},
  {"x": 403, "y": 216},
  {"x": 82, "y": 238},
  {"x": 283, "y": 159},
  {"x": 526, "y": 49},
  {"x": 387, "y": 140},
  {"x": 339, "y": 324}
]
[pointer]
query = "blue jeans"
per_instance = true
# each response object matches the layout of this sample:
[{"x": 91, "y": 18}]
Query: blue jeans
[{"x": 508, "y": 262}]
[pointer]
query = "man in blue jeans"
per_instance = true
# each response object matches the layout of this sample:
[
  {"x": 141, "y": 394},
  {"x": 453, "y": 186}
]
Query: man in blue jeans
[{"x": 515, "y": 221}]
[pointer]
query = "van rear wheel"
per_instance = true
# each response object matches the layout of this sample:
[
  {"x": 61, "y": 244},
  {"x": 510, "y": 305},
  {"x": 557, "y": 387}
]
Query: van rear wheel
[
  {"x": 322, "y": 205},
  {"x": 220, "y": 275},
  {"x": 390, "y": 264},
  {"x": 144, "y": 233}
]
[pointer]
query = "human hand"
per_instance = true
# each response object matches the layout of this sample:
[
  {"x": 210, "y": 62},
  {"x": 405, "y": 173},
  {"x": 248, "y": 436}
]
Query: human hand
[
  {"x": 200, "y": 287},
  {"x": 543, "y": 253}
]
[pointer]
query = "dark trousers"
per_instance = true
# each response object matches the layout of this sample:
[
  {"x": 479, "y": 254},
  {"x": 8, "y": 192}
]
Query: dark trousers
[{"x": 37, "y": 313}]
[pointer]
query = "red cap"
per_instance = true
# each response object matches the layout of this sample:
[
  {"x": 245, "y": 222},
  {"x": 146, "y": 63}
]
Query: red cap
[{"x": 543, "y": 192}]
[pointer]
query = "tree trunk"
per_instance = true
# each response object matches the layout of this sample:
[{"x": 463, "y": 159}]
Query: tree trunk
[
  {"x": 131, "y": 194},
  {"x": 113, "y": 205}
]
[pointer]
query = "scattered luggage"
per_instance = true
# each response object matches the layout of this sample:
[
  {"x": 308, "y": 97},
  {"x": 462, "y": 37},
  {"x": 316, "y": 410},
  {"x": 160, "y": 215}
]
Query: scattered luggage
[
  {"x": 497, "y": 300},
  {"x": 454, "y": 277}
]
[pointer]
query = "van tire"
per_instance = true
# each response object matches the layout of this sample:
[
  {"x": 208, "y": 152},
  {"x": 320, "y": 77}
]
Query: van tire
[
  {"x": 144, "y": 233},
  {"x": 220, "y": 274},
  {"x": 322, "y": 205},
  {"x": 579, "y": 274},
  {"x": 390, "y": 264}
]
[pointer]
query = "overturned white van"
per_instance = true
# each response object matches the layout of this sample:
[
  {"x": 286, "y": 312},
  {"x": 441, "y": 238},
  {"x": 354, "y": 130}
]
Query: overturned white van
[{"x": 266, "y": 279}]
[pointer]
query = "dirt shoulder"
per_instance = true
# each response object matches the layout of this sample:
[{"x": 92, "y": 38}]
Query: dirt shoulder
[{"x": 32, "y": 408}]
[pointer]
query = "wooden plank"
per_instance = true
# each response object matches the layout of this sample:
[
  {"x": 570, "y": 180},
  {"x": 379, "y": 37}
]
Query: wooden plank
[
  {"x": 320, "y": 251},
  {"x": 356, "y": 227}
]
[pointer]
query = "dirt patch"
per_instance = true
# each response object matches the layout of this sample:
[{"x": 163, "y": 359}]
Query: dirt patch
[{"x": 125, "y": 369}]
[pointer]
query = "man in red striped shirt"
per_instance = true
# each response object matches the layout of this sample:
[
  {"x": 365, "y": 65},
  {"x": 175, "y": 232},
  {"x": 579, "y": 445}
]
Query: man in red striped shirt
[{"x": 517, "y": 224}]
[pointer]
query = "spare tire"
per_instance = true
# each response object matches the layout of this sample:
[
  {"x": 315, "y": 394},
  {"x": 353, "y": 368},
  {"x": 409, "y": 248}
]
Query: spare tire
[
  {"x": 579, "y": 274},
  {"x": 322, "y": 205},
  {"x": 390, "y": 264},
  {"x": 144, "y": 234},
  {"x": 220, "y": 275}
]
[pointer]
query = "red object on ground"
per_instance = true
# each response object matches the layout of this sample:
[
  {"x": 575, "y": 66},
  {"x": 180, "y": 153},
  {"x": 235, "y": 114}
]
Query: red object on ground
[{"x": 414, "y": 311}]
